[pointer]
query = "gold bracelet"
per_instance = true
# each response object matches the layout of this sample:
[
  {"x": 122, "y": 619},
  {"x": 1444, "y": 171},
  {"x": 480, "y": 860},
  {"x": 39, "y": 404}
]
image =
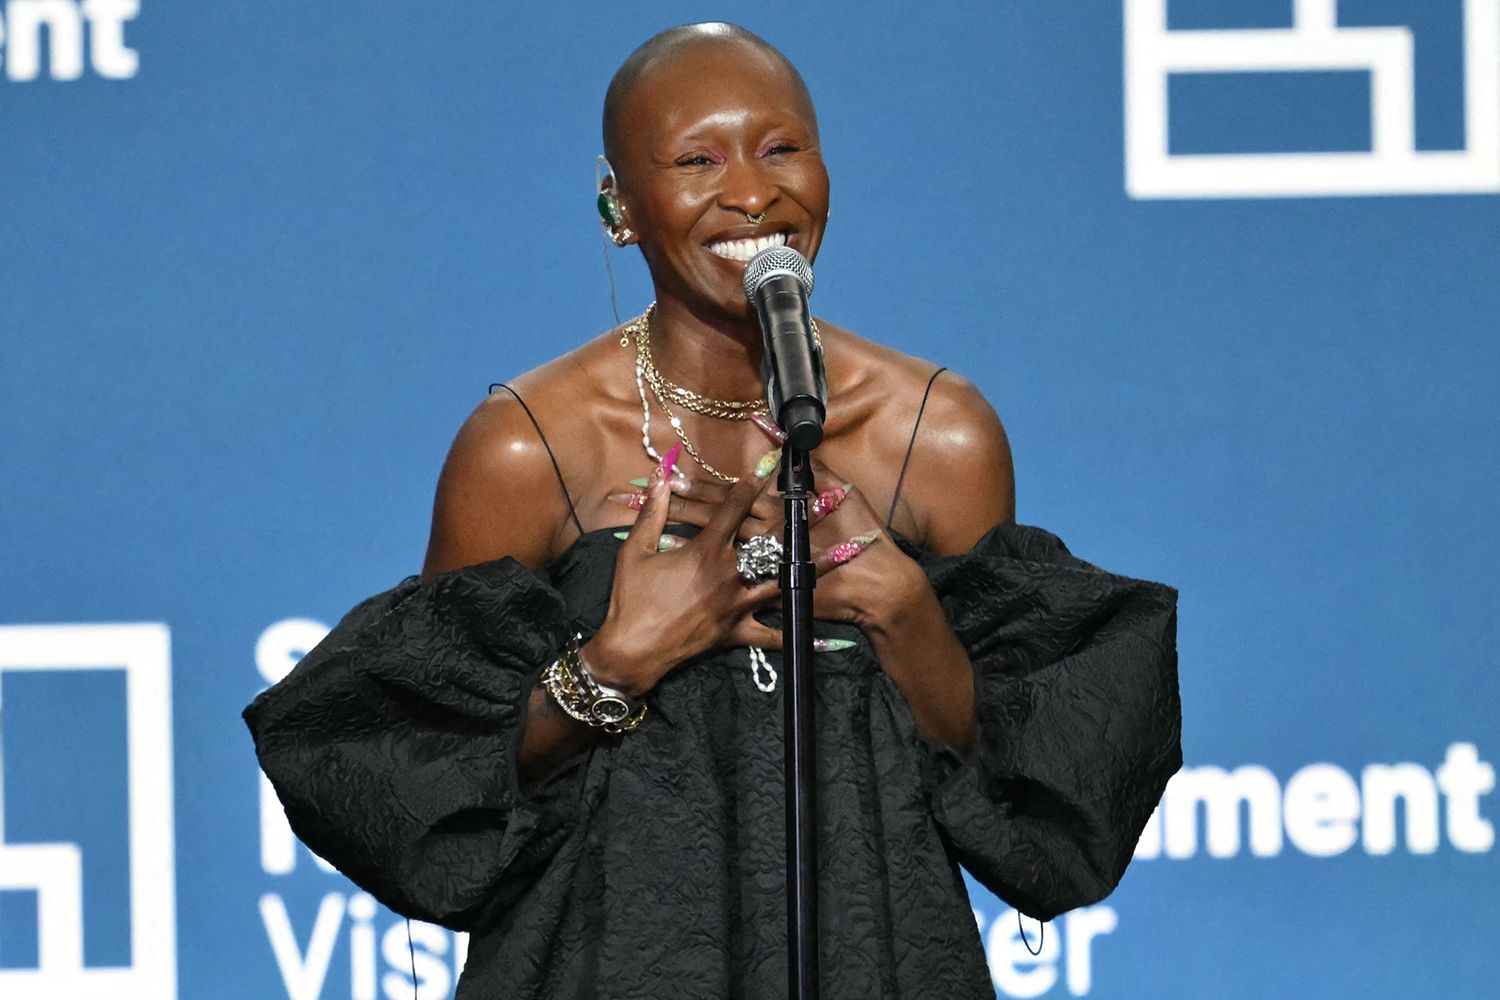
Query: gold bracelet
[{"x": 568, "y": 681}]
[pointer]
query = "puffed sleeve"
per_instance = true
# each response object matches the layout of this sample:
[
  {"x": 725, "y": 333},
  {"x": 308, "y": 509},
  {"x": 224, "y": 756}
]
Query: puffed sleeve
[
  {"x": 1079, "y": 721},
  {"x": 393, "y": 744}
]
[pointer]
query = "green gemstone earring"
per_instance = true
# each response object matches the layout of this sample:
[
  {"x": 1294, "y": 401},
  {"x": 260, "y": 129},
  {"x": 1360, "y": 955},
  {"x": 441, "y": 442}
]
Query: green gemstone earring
[{"x": 609, "y": 209}]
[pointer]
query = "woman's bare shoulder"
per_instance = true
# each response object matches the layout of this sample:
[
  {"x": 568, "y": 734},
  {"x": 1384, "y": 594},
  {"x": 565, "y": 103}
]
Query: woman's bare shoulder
[
  {"x": 499, "y": 492},
  {"x": 960, "y": 448},
  {"x": 507, "y": 427},
  {"x": 843, "y": 343},
  {"x": 587, "y": 373},
  {"x": 886, "y": 389}
]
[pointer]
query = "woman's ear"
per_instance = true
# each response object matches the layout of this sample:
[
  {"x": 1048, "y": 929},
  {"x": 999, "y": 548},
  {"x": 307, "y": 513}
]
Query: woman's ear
[{"x": 611, "y": 210}]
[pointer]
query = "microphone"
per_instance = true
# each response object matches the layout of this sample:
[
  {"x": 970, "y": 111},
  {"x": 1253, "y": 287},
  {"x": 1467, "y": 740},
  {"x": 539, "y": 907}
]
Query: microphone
[{"x": 778, "y": 281}]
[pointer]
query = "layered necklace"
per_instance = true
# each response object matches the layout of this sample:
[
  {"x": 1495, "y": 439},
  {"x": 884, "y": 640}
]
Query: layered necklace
[{"x": 669, "y": 393}]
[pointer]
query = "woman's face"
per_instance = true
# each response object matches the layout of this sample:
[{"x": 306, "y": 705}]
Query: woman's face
[{"x": 711, "y": 136}]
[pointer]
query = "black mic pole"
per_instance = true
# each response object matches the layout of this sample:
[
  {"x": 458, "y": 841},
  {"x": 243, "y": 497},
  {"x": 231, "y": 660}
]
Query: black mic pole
[
  {"x": 777, "y": 281},
  {"x": 798, "y": 577}
]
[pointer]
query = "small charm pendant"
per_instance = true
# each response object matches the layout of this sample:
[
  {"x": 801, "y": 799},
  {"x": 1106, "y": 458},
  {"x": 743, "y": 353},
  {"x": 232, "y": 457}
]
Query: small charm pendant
[{"x": 761, "y": 670}]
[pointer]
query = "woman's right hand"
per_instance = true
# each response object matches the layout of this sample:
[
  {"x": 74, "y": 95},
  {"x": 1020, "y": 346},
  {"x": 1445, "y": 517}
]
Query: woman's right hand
[{"x": 667, "y": 606}]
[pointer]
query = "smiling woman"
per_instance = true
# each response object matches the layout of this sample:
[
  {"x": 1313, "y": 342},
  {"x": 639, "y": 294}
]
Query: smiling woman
[
  {"x": 714, "y": 154},
  {"x": 554, "y": 738}
]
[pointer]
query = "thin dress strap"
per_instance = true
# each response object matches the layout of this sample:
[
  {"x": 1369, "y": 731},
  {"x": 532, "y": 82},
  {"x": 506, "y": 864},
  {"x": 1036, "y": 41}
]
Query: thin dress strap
[
  {"x": 901, "y": 479},
  {"x": 560, "y": 481}
]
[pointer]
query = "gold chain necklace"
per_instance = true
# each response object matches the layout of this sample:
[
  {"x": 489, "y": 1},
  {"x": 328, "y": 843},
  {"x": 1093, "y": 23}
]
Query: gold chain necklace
[
  {"x": 639, "y": 330},
  {"x": 646, "y": 374},
  {"x": 665, "y": 388}
]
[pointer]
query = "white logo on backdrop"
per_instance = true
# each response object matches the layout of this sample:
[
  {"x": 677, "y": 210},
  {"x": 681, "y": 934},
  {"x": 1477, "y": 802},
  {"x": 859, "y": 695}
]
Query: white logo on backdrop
[
  {"x": 1314, "y": 42},
  {"x": 21, "y": 34},
  {"x": 1324, "y": 810},
  {"x": 55, "y": 871}
]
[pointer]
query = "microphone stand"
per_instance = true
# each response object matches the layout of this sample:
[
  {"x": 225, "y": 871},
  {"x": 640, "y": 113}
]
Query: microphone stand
[
  {"x": 798, "y": 577},
  {"x": 777, "y": 282}
]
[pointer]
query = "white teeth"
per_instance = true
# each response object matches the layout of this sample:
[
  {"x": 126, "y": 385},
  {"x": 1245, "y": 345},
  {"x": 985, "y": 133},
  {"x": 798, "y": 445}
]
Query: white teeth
[{"x": 746, "y": 248}]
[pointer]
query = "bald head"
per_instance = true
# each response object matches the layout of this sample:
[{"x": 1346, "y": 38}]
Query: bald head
[{"x": 668, "y": 45}]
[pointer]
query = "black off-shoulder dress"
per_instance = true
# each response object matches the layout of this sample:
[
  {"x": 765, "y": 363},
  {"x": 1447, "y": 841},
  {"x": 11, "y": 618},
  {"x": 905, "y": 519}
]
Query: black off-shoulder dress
[{"x": 652, "y": 866}]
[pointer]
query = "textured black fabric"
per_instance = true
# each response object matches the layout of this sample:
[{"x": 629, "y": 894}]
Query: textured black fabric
[{"x": 652, "y": 866}]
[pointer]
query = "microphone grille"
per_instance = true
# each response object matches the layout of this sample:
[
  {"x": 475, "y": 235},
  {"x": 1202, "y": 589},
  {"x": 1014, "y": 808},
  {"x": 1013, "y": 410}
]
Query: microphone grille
[{"x": 777, "y": 260}]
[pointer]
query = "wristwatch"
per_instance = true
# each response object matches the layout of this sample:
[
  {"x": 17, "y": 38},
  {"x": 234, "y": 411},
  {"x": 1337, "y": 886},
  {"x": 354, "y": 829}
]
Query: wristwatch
[{"x": 576, "y": 691}]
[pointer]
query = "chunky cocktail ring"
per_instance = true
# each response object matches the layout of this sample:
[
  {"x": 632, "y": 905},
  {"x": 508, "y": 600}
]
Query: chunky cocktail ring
[{"x": 758, "y": 558}]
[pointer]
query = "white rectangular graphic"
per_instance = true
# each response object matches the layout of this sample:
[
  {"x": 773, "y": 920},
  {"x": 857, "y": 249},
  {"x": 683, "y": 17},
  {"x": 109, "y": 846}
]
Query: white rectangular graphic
[
  {"x": 54, "y": 871},
  {"x": 1315, "y": 42}
]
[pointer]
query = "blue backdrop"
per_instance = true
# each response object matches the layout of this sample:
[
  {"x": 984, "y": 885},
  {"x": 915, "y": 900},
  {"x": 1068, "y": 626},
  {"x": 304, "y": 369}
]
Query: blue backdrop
[{"x": 1228, "y": 275}]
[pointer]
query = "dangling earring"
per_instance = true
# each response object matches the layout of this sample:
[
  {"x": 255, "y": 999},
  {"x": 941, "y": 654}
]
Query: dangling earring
[{"x": 611, "y": 212}]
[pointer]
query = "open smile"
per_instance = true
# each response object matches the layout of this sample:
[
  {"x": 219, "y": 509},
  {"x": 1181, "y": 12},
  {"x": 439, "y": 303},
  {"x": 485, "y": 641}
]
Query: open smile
[{"x": 744, "y": 249}]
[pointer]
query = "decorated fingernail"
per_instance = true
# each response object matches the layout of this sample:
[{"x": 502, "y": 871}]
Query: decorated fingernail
[
  {"x": 832, "y": 645},
  {"x": 679, "y": 483},
  {"x": 635, "y": 501},
  {"x": 768, "y": 463},
  {"x": 844, "y": 551},
  {"x": 669, "y": 460},
  {"x": 828, "y": 501},
  {"x": 664, "y": 543},
  {"x": 768, "y": 427}
]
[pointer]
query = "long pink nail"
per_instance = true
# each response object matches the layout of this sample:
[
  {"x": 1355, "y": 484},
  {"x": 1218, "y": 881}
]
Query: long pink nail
[
  {"x": 844, "y": 551},
  {"x": 635, "y": 501},
  {"x": 828, "y": 501},
  {"x": 670, "y": 459},
  {"x": 768, "y": 427}
]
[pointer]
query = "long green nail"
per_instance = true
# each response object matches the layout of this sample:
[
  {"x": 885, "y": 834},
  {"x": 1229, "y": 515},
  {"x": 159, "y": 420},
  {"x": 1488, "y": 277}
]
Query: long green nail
[
  {"x": 832, "y": 645},
  {"x": 663, "y": 543},
  {"x": 641, "y": 482},
  {"x": 768, "y": 463}
]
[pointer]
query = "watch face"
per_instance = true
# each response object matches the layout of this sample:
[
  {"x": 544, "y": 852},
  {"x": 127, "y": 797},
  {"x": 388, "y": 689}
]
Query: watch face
[{"x": 610, "y": 709}]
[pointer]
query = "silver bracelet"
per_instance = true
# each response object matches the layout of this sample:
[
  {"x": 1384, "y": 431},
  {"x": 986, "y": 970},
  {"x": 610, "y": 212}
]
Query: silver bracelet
[{"x": 576, "y": 691}]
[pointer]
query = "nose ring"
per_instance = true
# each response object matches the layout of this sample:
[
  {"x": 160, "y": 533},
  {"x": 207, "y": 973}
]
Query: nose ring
[{"x": 755, "y": 219}]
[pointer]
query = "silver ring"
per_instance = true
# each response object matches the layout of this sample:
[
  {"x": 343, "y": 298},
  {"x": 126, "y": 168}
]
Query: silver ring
[{"x": 758, "y": 558}]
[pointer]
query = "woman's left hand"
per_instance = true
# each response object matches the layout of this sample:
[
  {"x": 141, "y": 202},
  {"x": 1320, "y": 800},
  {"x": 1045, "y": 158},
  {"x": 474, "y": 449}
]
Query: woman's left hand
[{"x": 874, "y": 578}]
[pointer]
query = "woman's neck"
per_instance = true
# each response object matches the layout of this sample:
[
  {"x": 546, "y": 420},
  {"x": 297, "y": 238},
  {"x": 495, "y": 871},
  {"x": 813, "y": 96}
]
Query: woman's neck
[{"x": 714, "y": 356}]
